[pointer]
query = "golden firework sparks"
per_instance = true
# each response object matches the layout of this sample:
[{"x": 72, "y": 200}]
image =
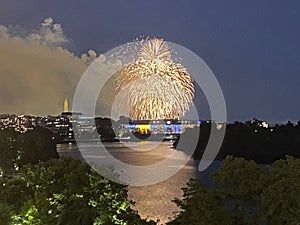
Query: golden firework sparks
[{"x": 154, "y": 87}]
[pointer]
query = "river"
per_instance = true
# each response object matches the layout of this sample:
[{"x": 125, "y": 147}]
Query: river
[{"x": 151, "y": 201}]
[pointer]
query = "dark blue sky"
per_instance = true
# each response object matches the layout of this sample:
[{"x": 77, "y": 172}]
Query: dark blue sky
[{"x": 253, "y": 47}]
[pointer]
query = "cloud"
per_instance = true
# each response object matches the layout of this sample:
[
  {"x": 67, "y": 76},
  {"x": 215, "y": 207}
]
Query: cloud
[
  {"x": 4, "y": 32},
  {"x": 50, "y": 33},
  {"x": 36, "y": 73},
  {"x": 89, "y": 57}
]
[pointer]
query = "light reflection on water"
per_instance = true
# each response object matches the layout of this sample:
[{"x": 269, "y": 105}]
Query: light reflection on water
[{"x": 152, "y": 201}]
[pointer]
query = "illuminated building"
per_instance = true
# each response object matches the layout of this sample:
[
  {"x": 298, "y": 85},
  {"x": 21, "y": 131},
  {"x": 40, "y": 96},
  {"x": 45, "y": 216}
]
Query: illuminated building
[
  {"x": 171, "y": 126},
  {"x": 143, "y": 128}
]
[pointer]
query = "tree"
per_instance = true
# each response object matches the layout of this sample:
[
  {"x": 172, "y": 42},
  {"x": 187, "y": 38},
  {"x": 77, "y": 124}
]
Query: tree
[
  {"x": 5, "y": 214},
  {"x": 17, "y": 149},
  {"x": 9, "y": 150},
  {"x": 67, "y": 192},
  {"x": 38, "y": 145},
  {"x": 280, "y": 193},
  {"x": 105, "y": 128},
  {"x": 201, "y": 206},
  {"x": 244, "y": 193}
]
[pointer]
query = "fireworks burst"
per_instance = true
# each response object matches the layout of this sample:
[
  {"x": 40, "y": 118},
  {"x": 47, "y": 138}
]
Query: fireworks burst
[
  {"x": 155, "y": 50},
  {"x": 154, "y": 87}
]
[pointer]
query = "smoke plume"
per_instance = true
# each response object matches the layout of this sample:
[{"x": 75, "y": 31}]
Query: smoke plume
[{"x": 36, "y": 72}]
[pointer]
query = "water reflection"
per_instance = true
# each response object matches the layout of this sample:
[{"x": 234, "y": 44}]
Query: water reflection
[{"x": 152, "y": 201}]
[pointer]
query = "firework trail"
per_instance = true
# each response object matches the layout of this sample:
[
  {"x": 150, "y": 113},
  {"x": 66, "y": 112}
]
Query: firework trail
[{"x": 153, "y": 86}]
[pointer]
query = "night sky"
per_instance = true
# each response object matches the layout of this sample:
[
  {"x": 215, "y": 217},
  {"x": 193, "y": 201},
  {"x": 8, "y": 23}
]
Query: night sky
[{"x": 253, "y": 47}]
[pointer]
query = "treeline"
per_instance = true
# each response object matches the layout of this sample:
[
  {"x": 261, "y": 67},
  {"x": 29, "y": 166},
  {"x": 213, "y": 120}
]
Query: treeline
[
  {"x": 68, "y": 192},
  {"x": 251, "y": 140}
]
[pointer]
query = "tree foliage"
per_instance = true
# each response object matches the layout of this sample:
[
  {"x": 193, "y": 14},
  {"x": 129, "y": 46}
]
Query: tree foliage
[
  {"x": 66, "y": 192},
  {"x": 244, "y": 194},
  {"x": 9, "y": 150},
  {"x": 18, "y": 149}
]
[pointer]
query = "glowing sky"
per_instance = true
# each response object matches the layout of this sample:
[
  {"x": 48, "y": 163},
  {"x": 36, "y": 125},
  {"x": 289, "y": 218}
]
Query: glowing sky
[{"x": 253, "y": 47}]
